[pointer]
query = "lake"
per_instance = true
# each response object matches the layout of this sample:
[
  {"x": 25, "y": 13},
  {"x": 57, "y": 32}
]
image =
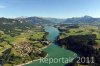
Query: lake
[{"x": 53, "y": 50}]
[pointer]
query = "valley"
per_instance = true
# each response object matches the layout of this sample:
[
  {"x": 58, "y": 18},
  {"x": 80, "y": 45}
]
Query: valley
[
  {"x": 24, "y": 41},
  {"x": 49, "y": 32}
]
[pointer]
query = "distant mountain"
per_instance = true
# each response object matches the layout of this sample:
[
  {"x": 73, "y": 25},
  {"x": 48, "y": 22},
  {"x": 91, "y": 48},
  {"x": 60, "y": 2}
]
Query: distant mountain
[
  {"x": 85, "y": 19},
  {"x": 35, "y": 20},
  {"x": 55, "y": 20},
  {"x": 40, "y": 20},
  {"x": 7, "y": 24}
]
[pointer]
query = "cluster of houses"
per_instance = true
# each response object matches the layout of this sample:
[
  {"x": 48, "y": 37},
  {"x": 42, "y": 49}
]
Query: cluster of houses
[{"x": 24, "y": 48}]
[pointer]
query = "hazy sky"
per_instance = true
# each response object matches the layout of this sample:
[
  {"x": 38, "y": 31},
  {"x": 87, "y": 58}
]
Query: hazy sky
[{"x": 49, "y": 8}]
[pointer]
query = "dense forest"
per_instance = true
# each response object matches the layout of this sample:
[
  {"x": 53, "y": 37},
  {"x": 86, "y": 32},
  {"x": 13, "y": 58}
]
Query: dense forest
[{"x": 84, "y": 41}]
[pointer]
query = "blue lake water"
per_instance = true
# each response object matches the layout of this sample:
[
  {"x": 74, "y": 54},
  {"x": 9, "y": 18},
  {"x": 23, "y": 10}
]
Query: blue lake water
[{"x": 53, "y": 50}]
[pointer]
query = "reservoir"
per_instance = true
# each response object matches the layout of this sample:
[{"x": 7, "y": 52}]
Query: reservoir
[{"x": 53, "y": 50}]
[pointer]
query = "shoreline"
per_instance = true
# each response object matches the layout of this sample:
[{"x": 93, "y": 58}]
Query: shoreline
[
  {"x": 36, "y": 59},
  {"x": 30, "y": 61}
]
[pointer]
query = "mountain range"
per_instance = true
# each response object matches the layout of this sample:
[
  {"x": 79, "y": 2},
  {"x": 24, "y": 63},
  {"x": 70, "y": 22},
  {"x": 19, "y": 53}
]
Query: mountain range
[
  {"x": 43, "y": 20},
  {"x": 7, "y": 24},
  {"x": 84, "y": 20}
]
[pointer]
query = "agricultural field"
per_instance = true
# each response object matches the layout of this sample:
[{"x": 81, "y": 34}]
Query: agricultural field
[
  {"x": 82, "y": 30},
  {"x": 25, "y": 47}
]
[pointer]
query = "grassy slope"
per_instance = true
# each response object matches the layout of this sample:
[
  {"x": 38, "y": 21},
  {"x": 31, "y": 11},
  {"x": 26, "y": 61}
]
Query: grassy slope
[
  {"x": 82, "y": 31},
  {"x": 23, "y": 37}
]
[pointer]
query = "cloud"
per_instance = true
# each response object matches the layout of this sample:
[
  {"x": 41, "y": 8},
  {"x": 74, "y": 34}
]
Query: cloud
[{"x": 2, "y": 6}]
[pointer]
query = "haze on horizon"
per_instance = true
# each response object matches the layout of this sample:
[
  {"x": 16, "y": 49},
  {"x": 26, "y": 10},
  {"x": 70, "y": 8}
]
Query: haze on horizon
[{"x": 49, "y": 8}]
